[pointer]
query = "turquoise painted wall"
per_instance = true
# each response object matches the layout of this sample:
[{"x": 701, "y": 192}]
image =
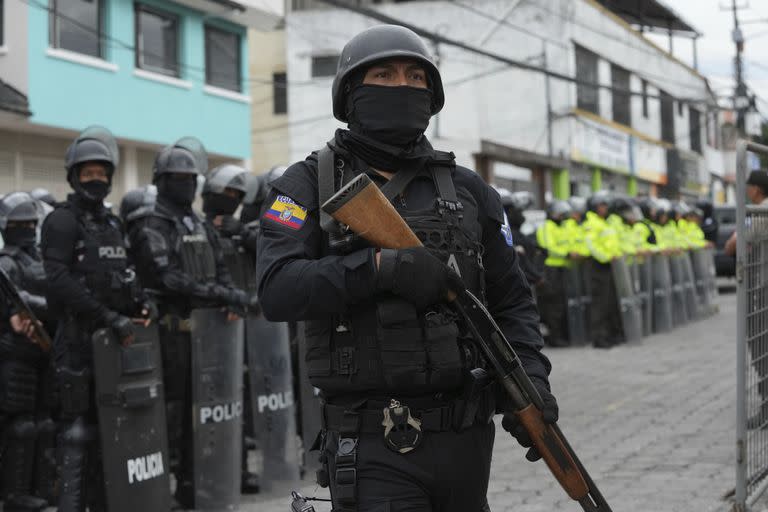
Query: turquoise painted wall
[{"x": 70, "y": 95}]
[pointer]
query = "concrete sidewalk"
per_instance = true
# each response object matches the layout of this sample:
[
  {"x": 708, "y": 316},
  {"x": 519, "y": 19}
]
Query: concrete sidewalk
[{"x": 654, "y": 423}]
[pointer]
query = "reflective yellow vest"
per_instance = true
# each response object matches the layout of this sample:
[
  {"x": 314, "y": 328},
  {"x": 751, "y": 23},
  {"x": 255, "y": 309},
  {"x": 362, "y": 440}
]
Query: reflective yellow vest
[{"x": 550, "y": 236}]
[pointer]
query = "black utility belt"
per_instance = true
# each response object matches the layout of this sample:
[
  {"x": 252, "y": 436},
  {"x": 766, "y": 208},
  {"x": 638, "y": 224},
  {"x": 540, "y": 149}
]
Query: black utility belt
[{"x": 370, "y": 421}]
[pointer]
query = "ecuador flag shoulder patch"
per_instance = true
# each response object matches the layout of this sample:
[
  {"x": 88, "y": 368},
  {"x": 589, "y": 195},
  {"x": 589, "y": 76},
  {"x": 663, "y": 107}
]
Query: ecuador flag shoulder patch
[{"x": 287, "y": 212}]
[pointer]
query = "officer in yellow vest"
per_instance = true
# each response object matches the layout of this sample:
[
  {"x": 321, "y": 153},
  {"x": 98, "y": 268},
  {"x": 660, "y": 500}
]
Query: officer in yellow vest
[
  {"x": 552, "y": 238},
  {"x": 574, "y": 231},
  {"x": 603, "y": 243}
]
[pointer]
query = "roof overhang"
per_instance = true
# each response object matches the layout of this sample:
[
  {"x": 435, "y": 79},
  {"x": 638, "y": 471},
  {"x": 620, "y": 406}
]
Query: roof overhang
[
  {"x": 257, "y": 14},
  {"x": 13, "y": 101},
  {"x": 651, "y": 15}
]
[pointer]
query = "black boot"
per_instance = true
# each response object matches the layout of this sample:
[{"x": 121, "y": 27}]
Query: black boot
[
  {"x": 18, "y": 464},
  {"x": 74, "y": 443},
  {"x": 45, "y": 461}
]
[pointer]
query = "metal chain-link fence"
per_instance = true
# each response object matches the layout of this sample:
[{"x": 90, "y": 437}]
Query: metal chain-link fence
[{"x": 752, "y": 339}]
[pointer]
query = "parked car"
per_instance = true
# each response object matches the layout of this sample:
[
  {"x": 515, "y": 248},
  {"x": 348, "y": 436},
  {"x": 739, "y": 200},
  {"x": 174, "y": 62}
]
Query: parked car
[{"x": 725, "y": 265}]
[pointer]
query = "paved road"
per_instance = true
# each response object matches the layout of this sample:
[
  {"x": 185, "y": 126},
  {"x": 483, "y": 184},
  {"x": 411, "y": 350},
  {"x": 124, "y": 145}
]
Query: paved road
[{"x": 654, "y": 423}]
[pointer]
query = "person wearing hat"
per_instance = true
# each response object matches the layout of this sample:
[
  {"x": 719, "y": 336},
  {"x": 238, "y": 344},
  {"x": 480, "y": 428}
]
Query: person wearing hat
[
  {"x": 379, "y": 333},
  {"x": 757, "y": 193}
]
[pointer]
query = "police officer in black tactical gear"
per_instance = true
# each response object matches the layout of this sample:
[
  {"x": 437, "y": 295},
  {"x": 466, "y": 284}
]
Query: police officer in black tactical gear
[
  {"x": 529, "y": 258},
  {"x": 378, "y": 330},
  {"x": 90, "y": 283},
  {"x": 223, "y": 192},
  {"x": 28, "y": 469},
  {"x": 179, "y": 259}
]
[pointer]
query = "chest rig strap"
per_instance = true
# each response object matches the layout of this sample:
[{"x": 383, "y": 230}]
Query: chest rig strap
[{"x": 442, "y": 168}]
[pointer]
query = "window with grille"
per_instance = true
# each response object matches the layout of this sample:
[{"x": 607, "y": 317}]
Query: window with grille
[
  {"x": 324, "y": 65},
  {"x": 667, "y": 107},
  {"x": 280, "y": 93},
  {"x": 694, "y": 125}
]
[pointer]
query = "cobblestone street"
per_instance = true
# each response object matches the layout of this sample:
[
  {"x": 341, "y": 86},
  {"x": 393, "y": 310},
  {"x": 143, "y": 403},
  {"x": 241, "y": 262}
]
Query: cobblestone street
[{"x": 654, "y": 423}]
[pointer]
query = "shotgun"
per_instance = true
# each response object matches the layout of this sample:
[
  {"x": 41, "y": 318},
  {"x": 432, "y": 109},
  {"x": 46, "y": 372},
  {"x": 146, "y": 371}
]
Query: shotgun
[
  {"x": 362, "y": 207},
  {"x": 39, "y": 337}
]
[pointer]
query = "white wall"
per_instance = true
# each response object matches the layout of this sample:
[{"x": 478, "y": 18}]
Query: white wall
[
  {"x": 506, "y": 107},
  {"x": 13, "y": 50}
]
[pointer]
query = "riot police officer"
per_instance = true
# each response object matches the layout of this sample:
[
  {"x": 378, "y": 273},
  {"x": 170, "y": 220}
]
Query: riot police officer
[
  {"x": 379, "y": 333},
  {"x": 179, "y": 260},
  {"x": 552, "y": 238},
  {"x": 514, "y": 204},
  {"x": 604, "y": 246},
  {"x": 91, "y": 285},
  {"x": 25, "y": 387}
]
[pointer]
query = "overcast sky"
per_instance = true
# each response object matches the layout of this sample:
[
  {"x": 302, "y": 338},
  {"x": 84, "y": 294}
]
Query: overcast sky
[{"x": 714, "y": 19}]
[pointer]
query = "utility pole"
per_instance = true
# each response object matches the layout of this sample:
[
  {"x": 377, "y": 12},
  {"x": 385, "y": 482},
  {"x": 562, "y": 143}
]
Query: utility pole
[{"x": 740, "y": 91}]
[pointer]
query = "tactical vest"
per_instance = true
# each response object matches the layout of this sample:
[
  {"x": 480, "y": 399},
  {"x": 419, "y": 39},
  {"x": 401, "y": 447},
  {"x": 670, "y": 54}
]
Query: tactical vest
[
  {"x": 101, "y": 262},
  {"x": 240, "y": 263},
  {"x": 30, "y": 269},
  {"x": 196, "y": 256},
  {"x": 386, "y": 346}
]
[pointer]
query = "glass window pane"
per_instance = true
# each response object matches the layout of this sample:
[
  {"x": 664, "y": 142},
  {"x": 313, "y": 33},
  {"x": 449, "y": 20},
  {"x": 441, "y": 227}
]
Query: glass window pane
[
  {"x": 280, "y": 93},
  {"x": 157, "y": 41},
  {"x": 621, "y": 100},
  {"x": 324, "y": 65},
  {"x": 222, "y": 63},
  {"x": 586, "y": 70},
  {"x": 77, "y": 26}
]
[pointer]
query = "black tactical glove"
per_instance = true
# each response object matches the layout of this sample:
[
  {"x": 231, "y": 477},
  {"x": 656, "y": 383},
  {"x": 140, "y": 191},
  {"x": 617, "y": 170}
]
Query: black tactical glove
[
  {"x": 230, "y": 225},
  {"x": 121, "y": 325},
  {"x": 234, "y": 297},
  {"x": 549, "y": 414},
  {"x": 417, "y": 276},
  {"x": 149, "y": 310}
]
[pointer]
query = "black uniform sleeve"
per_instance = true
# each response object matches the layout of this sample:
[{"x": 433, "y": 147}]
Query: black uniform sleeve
[
  {"x": 222, "y": 272},
  {"x": 59, "y": 235},
  {"x": 510, "y": 300},
  {"x": 296, "y": 281},
  {"x": 151, "y": 243}
]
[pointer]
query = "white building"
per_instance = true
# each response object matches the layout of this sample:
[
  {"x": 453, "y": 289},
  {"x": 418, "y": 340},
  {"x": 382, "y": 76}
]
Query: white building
[{"x": 662, "y": 138}]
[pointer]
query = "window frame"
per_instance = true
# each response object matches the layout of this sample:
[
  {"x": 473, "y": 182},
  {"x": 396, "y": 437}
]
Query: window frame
[
  {"x": 625, "y": 98},
  {"x": 279, "y": 83},
  {"x": 316, "y": 58},
  {"x": 645, "y": 98},
  {"x": 694, "y": 129},
  {"x": 138, "y": 7},
  {"x": 54, "y": 24},
  {"x": 583, "y": 89},
  {"x": 667, "y": 135},
  {"x": 207, "y": 28}
]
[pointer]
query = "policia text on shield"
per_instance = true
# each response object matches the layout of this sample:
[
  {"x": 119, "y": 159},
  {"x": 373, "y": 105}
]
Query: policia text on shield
[{"x": 362, "y": 207}]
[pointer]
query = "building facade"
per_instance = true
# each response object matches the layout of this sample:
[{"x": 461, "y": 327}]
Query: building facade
[
  {"x": 151, "y": 71},
  {"x": 616, "y": 111}
]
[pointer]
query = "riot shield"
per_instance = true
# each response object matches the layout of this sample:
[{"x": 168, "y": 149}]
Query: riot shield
[
  {"x": 577, "y": 330},
  {"x": 702, "y": 262},
  {"x": 217, "y": 407},
  {"x": 585, "y": 300},
  {"x": 131, "y": 407},
  {"x": 689, "y": 287},
  {"x": 309, "y": 401},
  {"x": 662, "y": 293},
  {"x": 272, "y": 401},
  {"x": 711, "y": 280},
  {"x": 679, "y": 307},
  {"x": 645, "y": 292},
  {"x": 631, "y": 318}
]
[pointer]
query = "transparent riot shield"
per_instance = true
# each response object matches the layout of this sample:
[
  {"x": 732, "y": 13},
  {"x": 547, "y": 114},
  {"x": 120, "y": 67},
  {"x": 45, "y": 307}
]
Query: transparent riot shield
[
  {"x": 272, "y": 401},
  {"x": 689, "y": 287},
  {"x": 702, "y": 262},
  {"x": 131, "y": 407},
  {"x": 217, "y": 408},
  {"x": 680, "y": 309},
  {"x": 576, "y": 320},
  {"x": 662, "y": 293},
  {"x": 631, "y": 315},
  {"x": 645, "y": 291}
]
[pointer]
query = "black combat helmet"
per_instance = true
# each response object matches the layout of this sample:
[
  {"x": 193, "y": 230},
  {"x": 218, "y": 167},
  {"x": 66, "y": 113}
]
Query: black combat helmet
[
  {"x": 18, "y": 207},
  {"x": 94, "y": 144},
  {"x": 578, "y": 204},
  {"x": 598, "y": 198},
  {"x": 558, "y": 210},
  {"x": 226, "y": 176},
  {"x": 138, "y": 203},
  {"x": 185, "y": 156},
  {"x": 257, "y": 188},
  {"x": 378, "y": 43}
]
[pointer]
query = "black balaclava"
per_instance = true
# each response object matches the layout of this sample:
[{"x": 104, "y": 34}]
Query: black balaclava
[
  {"x": 91, "y": 193},
  {"x": 20, "y": 236},
  {"x": 387, "y": 124},
  {"x": 180, "y": 192},
  {"x": 219, "y": 204},
  {"x": 395, "y": 116}
]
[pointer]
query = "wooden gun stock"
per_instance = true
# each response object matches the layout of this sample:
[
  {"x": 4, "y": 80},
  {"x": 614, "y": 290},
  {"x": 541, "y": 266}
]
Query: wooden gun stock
[
  {"x": 39, "y": 336},
  {"x": 362, "y": 207}
]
